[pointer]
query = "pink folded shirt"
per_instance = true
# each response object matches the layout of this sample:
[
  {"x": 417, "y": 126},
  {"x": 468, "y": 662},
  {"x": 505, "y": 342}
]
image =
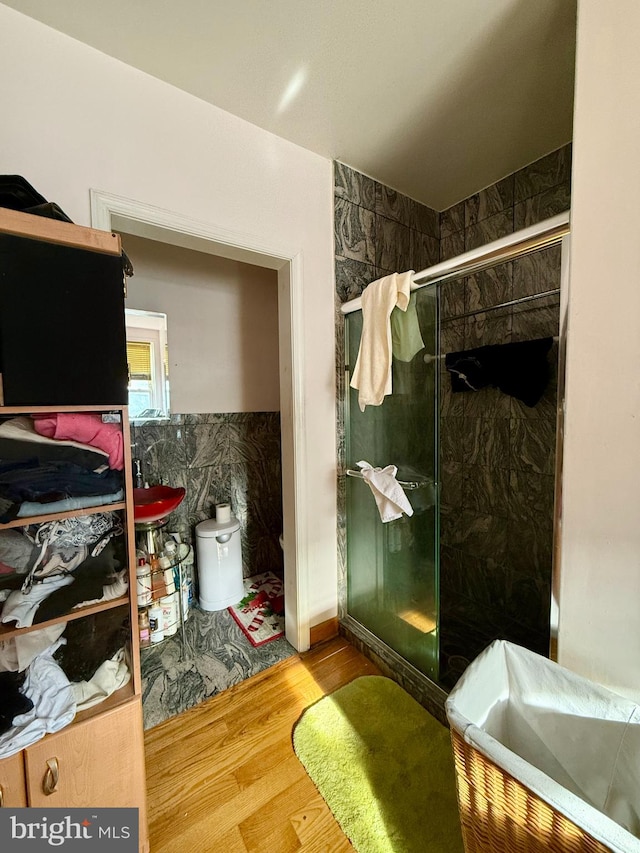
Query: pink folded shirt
[{"x": 86, "y": 428}]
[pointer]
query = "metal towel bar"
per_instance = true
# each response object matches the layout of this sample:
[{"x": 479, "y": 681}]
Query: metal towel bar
[{"x": 408, "y": 485}]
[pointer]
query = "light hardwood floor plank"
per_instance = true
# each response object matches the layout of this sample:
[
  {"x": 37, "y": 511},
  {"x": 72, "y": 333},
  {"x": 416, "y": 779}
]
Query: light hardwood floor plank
[
  {"x": 310, "y": 825},
  {"x": 266, "y": 830},
  {"x": 224, "y": 775}
]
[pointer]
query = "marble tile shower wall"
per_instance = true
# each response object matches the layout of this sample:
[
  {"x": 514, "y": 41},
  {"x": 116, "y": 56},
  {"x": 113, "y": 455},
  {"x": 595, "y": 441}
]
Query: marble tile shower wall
[
  {"x": 233, "y": 457},
  {"x": 497, "y": 455},
  {"x": 540, "y": 190},
  {"x": 497, "y": 459}
]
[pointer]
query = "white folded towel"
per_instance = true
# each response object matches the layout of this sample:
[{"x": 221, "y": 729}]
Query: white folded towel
[
  {"x": 389, "y": 494},
  {"x": 372, "y": 373}
]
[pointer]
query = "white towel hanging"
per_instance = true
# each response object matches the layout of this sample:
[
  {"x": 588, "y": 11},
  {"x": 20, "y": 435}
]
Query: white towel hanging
[
  {"x": 388, "y": 493},
  {"x": 372, "y": 373}
]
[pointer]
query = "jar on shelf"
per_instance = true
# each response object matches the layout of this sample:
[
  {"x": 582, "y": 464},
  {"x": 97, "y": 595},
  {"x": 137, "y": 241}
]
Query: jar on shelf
[
  {"x": 164, "y": 562},
  {"x": 170, "y": 614},
  {"x": 143, "y": 582},
  {"x": 144, "y": 628},
  {"x": 156, "y": 623}
]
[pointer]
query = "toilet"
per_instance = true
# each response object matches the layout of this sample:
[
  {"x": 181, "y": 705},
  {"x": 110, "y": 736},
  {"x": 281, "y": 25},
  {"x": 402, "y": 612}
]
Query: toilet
[{"x": 219, "y": 555}]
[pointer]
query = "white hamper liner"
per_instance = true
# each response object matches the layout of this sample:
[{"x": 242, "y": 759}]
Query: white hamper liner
[{"x": 572, "y": 742}]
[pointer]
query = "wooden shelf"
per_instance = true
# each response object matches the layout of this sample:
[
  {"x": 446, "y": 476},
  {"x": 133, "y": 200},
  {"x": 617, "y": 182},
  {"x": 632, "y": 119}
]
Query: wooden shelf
[
  {"x": 24, "y": 410},
  {"x": 21, "y": 224},
  {"x": 7, "y": 631},
  {"x": 124, "y": 694}
]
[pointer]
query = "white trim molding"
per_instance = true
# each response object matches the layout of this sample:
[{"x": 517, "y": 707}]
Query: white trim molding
[{"x": 112, "y": 212}]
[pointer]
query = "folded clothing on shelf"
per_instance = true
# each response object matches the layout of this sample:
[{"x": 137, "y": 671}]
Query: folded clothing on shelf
[
  {"x": 20, "y": 440},
  {"x": 29, "y": 480},
  {"x": 87, "y": 428},
  {"x": 29, "y": 508}
]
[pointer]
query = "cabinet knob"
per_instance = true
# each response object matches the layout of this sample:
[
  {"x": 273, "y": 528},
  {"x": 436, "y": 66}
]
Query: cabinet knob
[
  {"x": 1, "y": 797},
  {"x": 51, "y": 776}
]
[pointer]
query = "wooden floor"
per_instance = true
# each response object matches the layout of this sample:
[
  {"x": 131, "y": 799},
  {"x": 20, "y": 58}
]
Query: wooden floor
[{"x": 224, "y": 776}]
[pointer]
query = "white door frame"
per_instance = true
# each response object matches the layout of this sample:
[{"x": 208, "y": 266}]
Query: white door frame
[{"x": 110, "y": 212}]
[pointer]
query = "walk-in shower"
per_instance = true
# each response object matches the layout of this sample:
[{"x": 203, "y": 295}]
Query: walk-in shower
[{"x": 475, "y": 560}]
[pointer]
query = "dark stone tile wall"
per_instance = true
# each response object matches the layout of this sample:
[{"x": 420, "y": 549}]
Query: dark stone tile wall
[
  {"x": 538, "y": 191},
  {"x": 232, "y": 457},
  {"x": 378, "y": 231},
  {"x": 497, "y": 455}
]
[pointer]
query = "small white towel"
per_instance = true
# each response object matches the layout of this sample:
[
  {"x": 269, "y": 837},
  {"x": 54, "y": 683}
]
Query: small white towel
[
  {"x": 390, "y": 497},
  {"x": 372, "y": 373}
]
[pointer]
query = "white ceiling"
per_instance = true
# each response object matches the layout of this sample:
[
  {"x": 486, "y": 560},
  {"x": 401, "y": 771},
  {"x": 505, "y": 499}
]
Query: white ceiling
[{"x": 436, "y": 98}]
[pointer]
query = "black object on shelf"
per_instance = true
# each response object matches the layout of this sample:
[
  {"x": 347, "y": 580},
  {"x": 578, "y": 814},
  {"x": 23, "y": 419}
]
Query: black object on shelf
[{"x": 16, "y": 193}]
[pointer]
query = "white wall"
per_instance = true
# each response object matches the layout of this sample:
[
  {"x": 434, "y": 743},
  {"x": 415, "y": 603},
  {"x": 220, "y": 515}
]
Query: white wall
[
  {"x": 599, "y": 631},
  {"x": 222, "y": 321},
  {"x": 75, "y": 119}
]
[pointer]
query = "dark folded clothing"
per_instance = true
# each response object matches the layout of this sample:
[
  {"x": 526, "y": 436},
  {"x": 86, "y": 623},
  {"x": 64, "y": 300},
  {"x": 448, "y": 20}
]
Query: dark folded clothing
[
  {"x": 88, "y": 580},
  {"x": 29, "y": 480},
  {"x": 520, "y": 369},
  {"x": 12, "y": 449},
  {"x": 91, "y": 641}
]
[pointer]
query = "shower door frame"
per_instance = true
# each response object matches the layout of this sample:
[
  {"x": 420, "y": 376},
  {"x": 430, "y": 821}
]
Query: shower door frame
[{"x": 552, "y": 231}]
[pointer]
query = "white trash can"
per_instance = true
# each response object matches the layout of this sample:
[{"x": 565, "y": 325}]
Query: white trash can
[{"x": 219, "y": 563}]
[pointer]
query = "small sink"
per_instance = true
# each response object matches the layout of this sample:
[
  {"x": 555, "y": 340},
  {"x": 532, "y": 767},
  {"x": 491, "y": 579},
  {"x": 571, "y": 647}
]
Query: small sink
[{"x": 156, "y": 503}]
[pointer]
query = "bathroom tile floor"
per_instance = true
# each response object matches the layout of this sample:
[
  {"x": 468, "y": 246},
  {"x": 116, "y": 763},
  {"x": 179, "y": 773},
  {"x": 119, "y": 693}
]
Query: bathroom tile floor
[{"x": 217, "y": 655}]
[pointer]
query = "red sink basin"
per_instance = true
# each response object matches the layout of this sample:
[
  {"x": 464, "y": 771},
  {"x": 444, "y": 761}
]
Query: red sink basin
[{"x": 156, "y": 502}]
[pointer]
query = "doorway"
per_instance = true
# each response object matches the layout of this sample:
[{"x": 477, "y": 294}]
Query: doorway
[{"x": 109, "y": 212}]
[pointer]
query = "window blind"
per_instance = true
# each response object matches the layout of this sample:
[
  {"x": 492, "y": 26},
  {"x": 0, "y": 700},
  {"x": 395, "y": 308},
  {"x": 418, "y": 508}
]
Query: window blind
[{"x": 139, "y": 359}]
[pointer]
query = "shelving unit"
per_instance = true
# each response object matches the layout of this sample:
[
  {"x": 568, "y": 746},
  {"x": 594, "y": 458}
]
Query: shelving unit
[
  {"x": 151, "y": 539},
  {"x": 99, "y": 755},
  {"x": 127, "y": 695}
]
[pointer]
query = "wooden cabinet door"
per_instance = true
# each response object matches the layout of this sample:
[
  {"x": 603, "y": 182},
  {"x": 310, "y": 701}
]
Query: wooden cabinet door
[
  {"x": 13, "y": 790},
  {"x": 100, "y": 762}
]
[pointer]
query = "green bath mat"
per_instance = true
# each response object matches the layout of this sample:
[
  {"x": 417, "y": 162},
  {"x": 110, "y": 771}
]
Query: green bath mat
[{"x": 384, "y": 766}]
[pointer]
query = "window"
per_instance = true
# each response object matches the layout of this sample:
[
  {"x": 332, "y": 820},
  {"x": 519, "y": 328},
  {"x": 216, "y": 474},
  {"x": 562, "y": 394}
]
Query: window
[{"x": 148, "y": 362}]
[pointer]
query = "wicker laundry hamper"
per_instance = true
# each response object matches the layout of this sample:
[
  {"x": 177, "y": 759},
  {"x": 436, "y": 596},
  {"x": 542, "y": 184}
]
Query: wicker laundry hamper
[{"x": 545, "y": 760}]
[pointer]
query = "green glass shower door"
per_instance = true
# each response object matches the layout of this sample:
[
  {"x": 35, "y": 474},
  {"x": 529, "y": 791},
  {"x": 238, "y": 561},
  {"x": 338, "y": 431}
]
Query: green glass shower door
[{"x": 392, "y": 567}]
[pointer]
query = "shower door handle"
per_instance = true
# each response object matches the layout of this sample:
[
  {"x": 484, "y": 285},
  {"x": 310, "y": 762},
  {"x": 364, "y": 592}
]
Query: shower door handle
[{"x": 408, "y": 485}]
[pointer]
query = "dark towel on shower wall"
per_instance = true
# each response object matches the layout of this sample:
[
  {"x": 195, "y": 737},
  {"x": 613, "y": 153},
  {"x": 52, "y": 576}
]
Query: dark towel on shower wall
[{"x": 520, "y": 370}]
